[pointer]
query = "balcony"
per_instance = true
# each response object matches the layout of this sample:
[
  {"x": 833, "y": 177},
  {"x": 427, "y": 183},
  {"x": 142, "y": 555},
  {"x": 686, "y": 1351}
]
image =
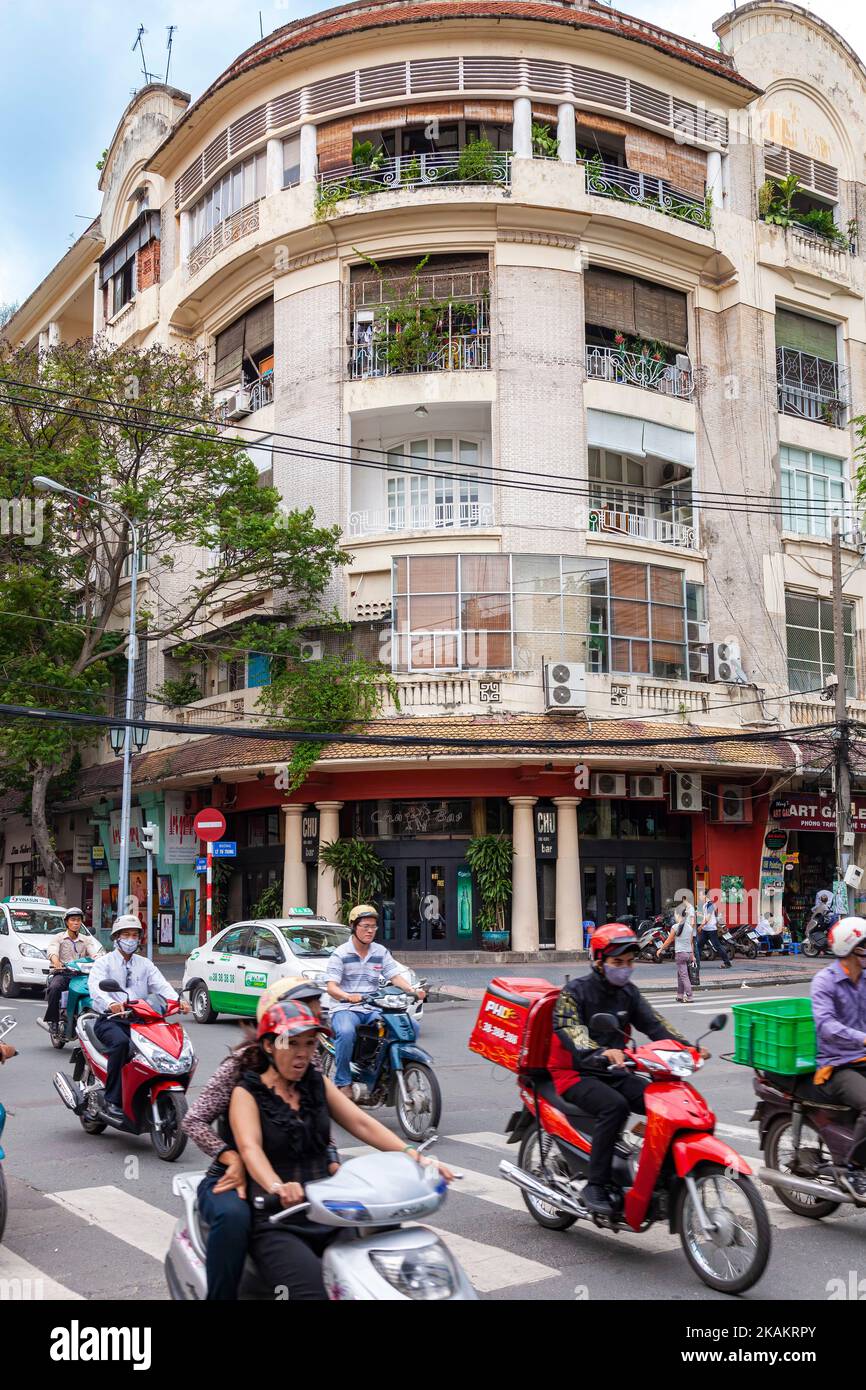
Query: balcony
[
  {"x": 230, "y": 230},
  {"x": 440, "y": 516},
  {"x": 810, "y": 388},
  {"x": 647, "y": 191},
  {"x": 246, "y": 400},
  {"x": 465, "y": 352},
  {"x": 434, "y": 322},
  {"x": 660, "y": 518},
  {"x": 410, "y": 172},
  {"x": 640, "y": 369}
]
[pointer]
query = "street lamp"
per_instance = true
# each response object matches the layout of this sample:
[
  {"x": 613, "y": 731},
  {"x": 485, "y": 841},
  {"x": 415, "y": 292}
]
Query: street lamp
[{"x": 118, "y": 735}]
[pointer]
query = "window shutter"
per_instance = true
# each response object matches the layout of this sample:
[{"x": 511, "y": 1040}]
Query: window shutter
[
  {"x": 660, "y": 313},
  {"x": 610, "y": 300},
  {"x": 627, "y": 580},
  {"x": 803, "y": 334},
  {"x": 229, "y": 355},
  {"x": 259, "y": 328}
]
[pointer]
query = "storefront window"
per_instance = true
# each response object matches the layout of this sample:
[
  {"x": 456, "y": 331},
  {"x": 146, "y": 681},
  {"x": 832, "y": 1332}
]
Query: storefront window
[
  {"x": 630, "y": 820},
  {"x": 263, "y": 829}
]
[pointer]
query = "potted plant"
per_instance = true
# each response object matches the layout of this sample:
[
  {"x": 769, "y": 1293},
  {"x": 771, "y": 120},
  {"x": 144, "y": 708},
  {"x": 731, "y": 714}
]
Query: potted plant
[
  {"x": 490, "y": 859},
  {"x": 270, "y": 901},
  {"x": 361, "y": 872},
  {"x": 544, "y": 144}
]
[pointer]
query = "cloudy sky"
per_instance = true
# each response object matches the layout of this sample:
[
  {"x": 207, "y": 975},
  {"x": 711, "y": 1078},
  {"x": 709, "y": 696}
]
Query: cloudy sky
[{"x": 69, "y": 71}]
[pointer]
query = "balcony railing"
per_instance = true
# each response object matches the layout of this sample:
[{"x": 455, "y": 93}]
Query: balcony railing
[
  {"x": 407, "y": 171},
  {"x": 440, "y": 516},
  {"x": 645, "y": 190},
  {"x": 644, "y": 518},
  {"x": 247, "y": 399},
  {"x": 231, "y": 229},
  {"x": 810, "y": 387},
  {"x": 463, "y": 352},
  {"x": 634, "y": 369}
]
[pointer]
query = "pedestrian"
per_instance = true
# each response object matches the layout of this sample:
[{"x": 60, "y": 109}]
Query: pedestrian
[
  {"x": 682, "y": 934},
  {"x": 709, "y": 933}
]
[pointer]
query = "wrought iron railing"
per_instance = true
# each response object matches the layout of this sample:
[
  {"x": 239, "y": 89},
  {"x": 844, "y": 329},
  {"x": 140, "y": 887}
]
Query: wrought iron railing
[
  {"x": 810, "y": 387},
  {"x": 440, "y": 516},
  {"x": 463, "y": 352},
  {"x": 258, "y": 395},
  {"x": 409, "y": 171},
  {"x": 231, "y": 229},
  {"x": 631, "y": 186},
  {"x": 639, "y": 369},
  {"x": 643, "y": 516}
]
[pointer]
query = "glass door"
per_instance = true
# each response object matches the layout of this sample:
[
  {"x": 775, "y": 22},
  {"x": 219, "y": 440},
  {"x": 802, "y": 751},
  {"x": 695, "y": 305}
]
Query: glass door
[{"x": 433, "y": 903}]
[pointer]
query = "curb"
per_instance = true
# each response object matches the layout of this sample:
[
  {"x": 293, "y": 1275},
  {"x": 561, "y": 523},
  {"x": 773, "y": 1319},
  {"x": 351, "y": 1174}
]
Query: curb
[{"x": 450, "y": 993}]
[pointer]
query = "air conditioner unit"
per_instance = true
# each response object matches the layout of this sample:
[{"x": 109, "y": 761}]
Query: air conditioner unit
[
  {"x": 645, "y": 788},
  {"x": 698, "y": 632},
  {"x": 605, "y": 784},
  {"x": 310, "y": 651},
  {"x": 686, "y": 792},
  {"x": 564, "y": 685},
  {"x": 732, "y": 806},
  {"x": 725, "y": 663},
  {"x": 238, "y": 405},
  {"x": 699, "y": 663}
]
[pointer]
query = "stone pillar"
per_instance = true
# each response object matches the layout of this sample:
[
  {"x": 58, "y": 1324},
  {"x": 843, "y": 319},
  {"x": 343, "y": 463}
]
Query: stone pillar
[
  {"x": 714, "y": 177},
  {"x": 185, "y": 237},
  {"x": 569, "y": 916},
  {"x": 294, "y": 868},
  {"x": 309, "y": 154},
  {"x": 274, "y": 168},
  {"x": 328, "y": 895},
  {"x": 524, "y": 888},
  {"x": 522, "y": 133},
  {"x": 566, "y": 134},
  {"x": 53, "y": 334}
]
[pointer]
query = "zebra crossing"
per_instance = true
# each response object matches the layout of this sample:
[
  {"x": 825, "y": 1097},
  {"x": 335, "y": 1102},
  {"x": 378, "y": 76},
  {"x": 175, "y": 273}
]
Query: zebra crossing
[{"x": 484, "y": 1222}]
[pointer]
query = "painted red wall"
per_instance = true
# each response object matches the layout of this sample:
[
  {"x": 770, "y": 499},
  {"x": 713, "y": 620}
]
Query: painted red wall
[
  {"x": 419, "y": 782},
  {"x": 733, "y": 849}
]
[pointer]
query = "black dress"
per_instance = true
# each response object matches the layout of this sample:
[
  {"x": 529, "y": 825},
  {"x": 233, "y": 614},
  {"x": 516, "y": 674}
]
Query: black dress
[{"x": 295, "y": 1142}]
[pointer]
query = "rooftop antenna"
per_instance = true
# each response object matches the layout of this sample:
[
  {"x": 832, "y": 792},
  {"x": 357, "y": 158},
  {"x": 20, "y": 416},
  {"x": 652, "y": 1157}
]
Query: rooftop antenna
[
  {"x": 261, "y": 27},
  {"x": 171, "y": 30},
  {"x": 140, "y": 46}
]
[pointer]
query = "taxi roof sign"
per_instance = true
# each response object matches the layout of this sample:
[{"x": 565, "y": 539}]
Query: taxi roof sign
[
  {"x": 301, "y": 912},
  {"x": 30, "y": 900}
]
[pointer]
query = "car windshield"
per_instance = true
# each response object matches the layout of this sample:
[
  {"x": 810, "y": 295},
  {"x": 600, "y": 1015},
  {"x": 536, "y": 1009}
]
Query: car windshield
[
  {"x": 315, "y": 941},
  {"x": 42, "y": 921}
]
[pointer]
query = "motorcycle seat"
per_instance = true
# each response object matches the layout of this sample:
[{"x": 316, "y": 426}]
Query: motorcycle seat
[
  {"x": 803, "y": 1089},
  {"x": 87, "y": 1022},
  {"x": 549, "y": 1092}
]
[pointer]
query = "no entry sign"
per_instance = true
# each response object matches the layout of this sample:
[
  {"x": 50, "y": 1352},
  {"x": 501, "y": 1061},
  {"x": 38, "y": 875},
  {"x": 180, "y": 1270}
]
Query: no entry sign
[{"x": 209, "y": 824}]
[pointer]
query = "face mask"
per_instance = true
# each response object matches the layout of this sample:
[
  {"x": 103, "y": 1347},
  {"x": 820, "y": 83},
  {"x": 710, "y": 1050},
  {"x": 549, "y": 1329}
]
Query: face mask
[
  {"x": 127, "y": 944},
  {"x": 618, "y": 974}
]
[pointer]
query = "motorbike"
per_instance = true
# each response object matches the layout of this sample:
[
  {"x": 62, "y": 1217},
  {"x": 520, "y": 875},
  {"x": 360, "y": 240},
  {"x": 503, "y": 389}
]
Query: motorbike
[
  {"x": 6, "y": 1026},
  {"x": 388, "y": 1067},
  {"x": 650, "y": 935},
  {"x": 374, "y": 1256},
  {"x": 805, "y": 1141},
  {"x": 746, "y": 941},
  {"x": 679, "y": 1172},
  {"x": 73, "y": 1002},
  {"x": 727, "y": 940},
  {"x": 816, "y": 939},
  {"x": 155, "y": 1076}
]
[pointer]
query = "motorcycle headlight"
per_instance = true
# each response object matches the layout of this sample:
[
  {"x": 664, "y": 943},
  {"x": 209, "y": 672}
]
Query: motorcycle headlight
[
  {"x": 162, "y": 1060},
  {"x": 427, "y": 1274},
  {"x": 679, "y": 1063},
  {"x": 31, "y": 952}
]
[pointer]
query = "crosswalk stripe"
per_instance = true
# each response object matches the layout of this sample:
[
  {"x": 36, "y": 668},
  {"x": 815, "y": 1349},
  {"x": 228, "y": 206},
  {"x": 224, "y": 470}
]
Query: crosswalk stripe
[
  {"x": 484, "y": 1139},
  {"x": 20, "y": 1281},
  {"x": 489, "y": 1267},
  {"x": 140, "y": 1224},
  {"x": 748, "y": 1136}
]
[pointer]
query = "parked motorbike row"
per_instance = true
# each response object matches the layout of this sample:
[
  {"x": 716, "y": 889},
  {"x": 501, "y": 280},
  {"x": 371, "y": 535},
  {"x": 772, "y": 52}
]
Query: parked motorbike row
[{"x": 652, "y": 933}]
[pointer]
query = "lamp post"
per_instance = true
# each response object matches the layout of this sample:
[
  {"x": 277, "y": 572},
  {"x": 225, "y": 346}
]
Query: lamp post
[{"x": 49, "y": 485}]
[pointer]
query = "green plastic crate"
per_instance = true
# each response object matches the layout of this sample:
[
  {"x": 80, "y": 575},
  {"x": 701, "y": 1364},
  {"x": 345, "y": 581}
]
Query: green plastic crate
[{"x": 777, "y": 1036}]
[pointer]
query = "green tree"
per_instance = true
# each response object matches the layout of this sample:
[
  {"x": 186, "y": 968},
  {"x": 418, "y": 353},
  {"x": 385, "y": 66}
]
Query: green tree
[
  {"x": 361, "y": 872},
  {"x": 62, "y": 587}
]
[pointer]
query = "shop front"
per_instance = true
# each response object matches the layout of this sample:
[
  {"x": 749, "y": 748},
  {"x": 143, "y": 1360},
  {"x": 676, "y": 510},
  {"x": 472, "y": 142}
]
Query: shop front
[
  {"x": 806, "y": 862},
  {"x": 635, "y": 857}
]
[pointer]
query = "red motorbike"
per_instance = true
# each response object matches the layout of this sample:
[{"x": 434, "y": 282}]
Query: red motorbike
[
  {"x": 155, "y": 1076},
  {"x": 679, "y": 1172}
]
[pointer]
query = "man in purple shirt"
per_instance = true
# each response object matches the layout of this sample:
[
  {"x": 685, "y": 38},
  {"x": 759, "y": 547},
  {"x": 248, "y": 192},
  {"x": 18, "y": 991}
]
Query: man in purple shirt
[{"x": 839, "y": 1009}]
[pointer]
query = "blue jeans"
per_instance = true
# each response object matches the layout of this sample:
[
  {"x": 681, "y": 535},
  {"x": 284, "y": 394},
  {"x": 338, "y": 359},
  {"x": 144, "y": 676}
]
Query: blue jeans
[
  {"x": 345, "y": 1025},
  {"x": 230, "y": 1221}
]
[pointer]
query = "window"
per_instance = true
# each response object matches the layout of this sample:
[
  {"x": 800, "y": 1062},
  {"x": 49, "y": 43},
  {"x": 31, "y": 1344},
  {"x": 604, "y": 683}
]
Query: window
[
  {"x": 437, "y": 137},
  {"x": 801, "y": 333},
  {"x": 458, "y": 497},
  {"x": 810, "y": 642},
  {"x": 233, "y": 943},
  {"x": 265, "y": 946},
  {"x": 814, "y": 490},
  {"x": 245, "y": 350},
  {"x": 231, "y": 675},
  {"x": 122, "y": 287},
  {"x": 647, "y": 620},
  {"x": 292, "y": 161},
  {"x": 452, "y": 613},
  {"x": 560, "y": 611},
  {"x": 617, "y": 303},
  {"x": 237, "y": 188}
]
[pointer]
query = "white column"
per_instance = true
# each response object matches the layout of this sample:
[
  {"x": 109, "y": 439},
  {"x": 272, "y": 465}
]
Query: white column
[
  {"x": 566, "y": 133},
  {"x": 185, "y": 236},
  {"x": 524, "y": 887},
  {"x": 53, "y": 334},
  {"x": 97, "y": 304},
  {"x": 714, "y": 176},
  {"x": 569, "y": 917},
  {"x": 328, "y": 895},
  {"x": 294, "y": 868},
  {"x": 274, "y": 168},
  {"x": 522, "y": 133},
  {"x": 309, "y": 153}
]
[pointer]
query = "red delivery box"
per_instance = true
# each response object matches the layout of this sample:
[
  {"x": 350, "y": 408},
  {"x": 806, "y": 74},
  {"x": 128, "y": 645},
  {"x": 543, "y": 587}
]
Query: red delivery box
[{"x": 504, "y": 1024}]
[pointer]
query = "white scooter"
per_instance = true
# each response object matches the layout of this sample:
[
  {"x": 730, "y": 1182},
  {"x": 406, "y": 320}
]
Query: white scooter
[{"x": 373, "y": 1258}]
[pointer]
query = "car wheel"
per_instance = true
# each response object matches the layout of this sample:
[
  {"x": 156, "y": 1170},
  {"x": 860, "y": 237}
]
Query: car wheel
[
  {"x": 8, "y": 987},
  {"x": 201, "y": 1005}
]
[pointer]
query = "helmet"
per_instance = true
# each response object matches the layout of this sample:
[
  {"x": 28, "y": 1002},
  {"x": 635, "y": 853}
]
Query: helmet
[
  {"x": 362, "y": 910},
  {"x": 824, "y": 899},
  {"x": 73, "y": 912},
  {"x": 128, "y": 922},
  {"x": 847, "y": 935},
  {"x": 287, "y": 1020},
  {"x": 613, "y": 940},
  {"x": 291, "y": 988}
]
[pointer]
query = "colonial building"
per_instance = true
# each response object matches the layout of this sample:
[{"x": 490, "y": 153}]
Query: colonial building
[{"x": 584, "y": 392}]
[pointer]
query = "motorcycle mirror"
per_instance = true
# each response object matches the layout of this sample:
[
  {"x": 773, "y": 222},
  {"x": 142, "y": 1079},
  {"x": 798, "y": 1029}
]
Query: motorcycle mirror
[
  {"x": 718, "y": 1023},
  {"x": 111, "y": 987},
  {"x": 604, "y": 1023}
]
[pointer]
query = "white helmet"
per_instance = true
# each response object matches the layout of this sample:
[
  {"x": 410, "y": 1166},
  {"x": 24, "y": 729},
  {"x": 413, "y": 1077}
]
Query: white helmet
[
  {"x": 824, "y": 898},
  {"x": 125, "y": 923},
  {"x": 846, "y": 935}
]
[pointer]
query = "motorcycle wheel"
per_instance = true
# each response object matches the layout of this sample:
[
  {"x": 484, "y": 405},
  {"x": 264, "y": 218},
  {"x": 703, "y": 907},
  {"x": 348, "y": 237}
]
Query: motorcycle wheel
[
  {"x": 89, "y": 1121},
  {"x": 810, "y": 949},
  {"x": 58, "y": 1034},
  {"x": 416, "y": 1121},
  {"x": 778, "y": 1152},
  {"x": 535, "y": 1143},
  {"x": 3, "y": 1202},
  {"x": 750, "y": 951},
  {"x": 734, "y": 1258},
  {"x": 170, "y": 1141}
]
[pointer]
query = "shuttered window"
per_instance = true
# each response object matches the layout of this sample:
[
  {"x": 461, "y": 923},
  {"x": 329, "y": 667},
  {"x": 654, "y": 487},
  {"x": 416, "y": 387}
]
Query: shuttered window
[
  {"x": 647, "y": 620},
  {"x": 244, "y": 341},
  {"x": 803, "y": 334},
  {"x": 628, "y": 305}
]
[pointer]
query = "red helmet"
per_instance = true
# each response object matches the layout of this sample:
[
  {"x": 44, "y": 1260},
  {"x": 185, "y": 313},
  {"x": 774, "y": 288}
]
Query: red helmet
[
  {"x": 288, "y": 1019},
  {"x": 613, "y": 940}
]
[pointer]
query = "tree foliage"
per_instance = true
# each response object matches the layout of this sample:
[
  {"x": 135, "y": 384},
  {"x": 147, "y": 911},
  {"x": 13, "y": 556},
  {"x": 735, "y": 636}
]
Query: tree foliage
[{"x": 361, "y": 872}]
